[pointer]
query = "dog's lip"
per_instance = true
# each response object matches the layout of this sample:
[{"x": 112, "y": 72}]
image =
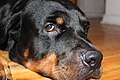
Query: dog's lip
[
  {"x": 93, "y": 74},
  {"x": 96, "y": 74}
]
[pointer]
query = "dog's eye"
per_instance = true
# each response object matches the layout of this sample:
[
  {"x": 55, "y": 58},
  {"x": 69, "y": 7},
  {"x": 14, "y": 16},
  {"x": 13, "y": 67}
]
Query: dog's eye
[{"x": 50, "y": 27}]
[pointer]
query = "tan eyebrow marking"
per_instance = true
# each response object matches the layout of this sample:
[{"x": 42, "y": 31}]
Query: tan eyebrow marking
[{"x": 60, "y": 20}]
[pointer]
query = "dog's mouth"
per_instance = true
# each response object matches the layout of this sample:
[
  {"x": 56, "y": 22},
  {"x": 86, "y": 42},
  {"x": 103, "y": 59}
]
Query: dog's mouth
[
  {"x": 97, "y": 74},
  {"x": 74, "y": 68},
  {"x": 94, "y": 74},
  {"x": 70, "y": 67},
  {"x": 74, "y": 72}
]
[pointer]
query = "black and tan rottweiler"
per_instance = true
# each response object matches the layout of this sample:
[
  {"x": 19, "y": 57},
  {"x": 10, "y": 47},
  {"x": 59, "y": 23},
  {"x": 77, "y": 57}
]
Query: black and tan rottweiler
[{"x": 48, "y": 37}]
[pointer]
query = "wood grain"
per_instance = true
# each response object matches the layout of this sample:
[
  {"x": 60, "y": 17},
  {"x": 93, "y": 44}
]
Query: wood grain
[{"x": 105, "y": 37}]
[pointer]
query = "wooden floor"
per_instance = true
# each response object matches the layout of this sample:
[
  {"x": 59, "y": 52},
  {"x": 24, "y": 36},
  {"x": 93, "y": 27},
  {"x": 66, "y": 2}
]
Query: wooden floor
[{"x": 105, "y": 37}]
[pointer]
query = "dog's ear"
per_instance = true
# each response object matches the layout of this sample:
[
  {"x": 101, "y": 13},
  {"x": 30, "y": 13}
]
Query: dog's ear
[
  {"x": 17, "y": 5},
  {"x": 10, "y": 21},
  {"x": 17, "y": 14},
  {"x": 4, "y": 16},
  {"x": 85, "y": 23}
]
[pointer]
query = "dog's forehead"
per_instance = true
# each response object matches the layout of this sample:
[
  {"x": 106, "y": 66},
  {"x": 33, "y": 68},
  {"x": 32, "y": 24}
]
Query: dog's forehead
[
  {"x": 41, "y": 10},
  {"x": 47, "y": 3},
  {"x": 45, "y": 7}
]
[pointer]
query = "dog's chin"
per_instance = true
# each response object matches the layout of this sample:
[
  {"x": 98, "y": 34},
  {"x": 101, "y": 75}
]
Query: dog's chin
[
  {"x": 96, "y": 74},
  {"x": 61, "y": 74},
  {"x": 92, "y": 75}
]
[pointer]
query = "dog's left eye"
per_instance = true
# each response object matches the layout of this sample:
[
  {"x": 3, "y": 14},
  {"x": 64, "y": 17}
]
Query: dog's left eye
[{"x": 50, "y": 27}]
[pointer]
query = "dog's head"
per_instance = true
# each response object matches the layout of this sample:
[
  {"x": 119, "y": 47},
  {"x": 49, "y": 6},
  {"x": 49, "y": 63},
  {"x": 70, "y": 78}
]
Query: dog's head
[{"x": 50, "y": 38}]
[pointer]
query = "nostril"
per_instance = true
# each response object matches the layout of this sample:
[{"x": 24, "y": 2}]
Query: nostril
[{"x": 92, "y": 58}]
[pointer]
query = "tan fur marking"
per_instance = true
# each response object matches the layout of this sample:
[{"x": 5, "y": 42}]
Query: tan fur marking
[
  {"x": 45, "y": 65},
  {"x": 26, "y": 53},
  {"x": 60, "y": 20}
]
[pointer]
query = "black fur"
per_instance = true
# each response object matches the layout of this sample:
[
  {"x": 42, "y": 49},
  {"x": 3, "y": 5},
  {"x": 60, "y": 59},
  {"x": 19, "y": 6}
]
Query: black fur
[{"x": 23, "y": 24}]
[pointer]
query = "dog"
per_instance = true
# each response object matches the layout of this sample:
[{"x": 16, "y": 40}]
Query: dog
[{"x": 48, "y": 37}]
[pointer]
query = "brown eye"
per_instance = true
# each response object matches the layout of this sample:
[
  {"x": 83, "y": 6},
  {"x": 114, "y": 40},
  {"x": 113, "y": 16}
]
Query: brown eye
[{"x": 50, "y": 27}]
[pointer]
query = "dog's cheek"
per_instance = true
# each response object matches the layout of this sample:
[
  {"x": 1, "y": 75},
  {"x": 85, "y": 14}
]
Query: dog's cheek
[
  {"x": 26, "y": 53},
  {"x": 42, "y": 66}
]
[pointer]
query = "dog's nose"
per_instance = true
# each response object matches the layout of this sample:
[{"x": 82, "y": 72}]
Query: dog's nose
[{"x": 93, "y": 58}]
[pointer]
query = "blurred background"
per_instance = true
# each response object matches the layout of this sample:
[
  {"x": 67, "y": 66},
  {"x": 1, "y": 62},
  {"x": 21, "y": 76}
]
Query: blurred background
[{"x": 105, "y": 10}]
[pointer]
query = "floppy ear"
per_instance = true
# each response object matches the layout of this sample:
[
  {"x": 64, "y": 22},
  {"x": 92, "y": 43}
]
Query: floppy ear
[
  {"x": 10, "y": 21},
  {"x": 4, "y": 16},
  {"x": 85, "y": 24}
]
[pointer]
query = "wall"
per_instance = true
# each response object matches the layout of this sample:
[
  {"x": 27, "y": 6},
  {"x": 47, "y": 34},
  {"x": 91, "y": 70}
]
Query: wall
[
  {"x": 92, "y": 8},
  {"x": 112, "y": 12}
]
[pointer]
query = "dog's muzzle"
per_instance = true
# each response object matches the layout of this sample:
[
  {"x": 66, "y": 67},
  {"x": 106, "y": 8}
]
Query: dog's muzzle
[{"x": 80, "y": 64}]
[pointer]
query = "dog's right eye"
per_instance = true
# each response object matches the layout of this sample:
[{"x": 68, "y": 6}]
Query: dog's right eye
[{"x": 50, "y": 27}]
